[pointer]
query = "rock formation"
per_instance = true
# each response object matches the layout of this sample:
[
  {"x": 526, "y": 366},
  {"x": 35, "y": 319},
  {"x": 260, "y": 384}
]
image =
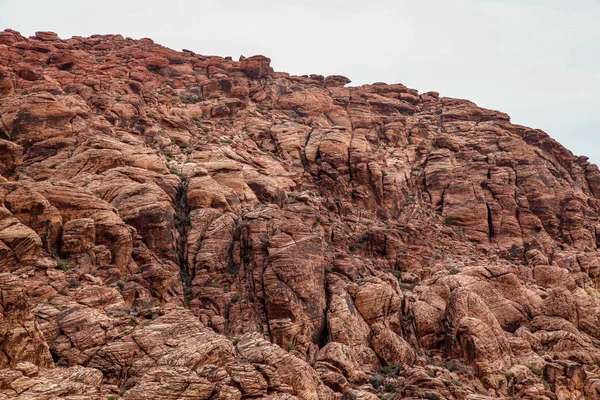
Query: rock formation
[{"x": 175, "y": 226}]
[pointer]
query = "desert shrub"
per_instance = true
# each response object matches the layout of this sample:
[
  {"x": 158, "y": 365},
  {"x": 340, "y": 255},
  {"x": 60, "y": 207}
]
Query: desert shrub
[{"x": 376, "y": 381}]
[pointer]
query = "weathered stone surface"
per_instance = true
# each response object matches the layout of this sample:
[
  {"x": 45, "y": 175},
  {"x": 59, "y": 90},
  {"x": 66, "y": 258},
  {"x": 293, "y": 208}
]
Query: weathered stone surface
[
  {"x": 78, "y": 236},
  {"x": 176, "y": 225}
]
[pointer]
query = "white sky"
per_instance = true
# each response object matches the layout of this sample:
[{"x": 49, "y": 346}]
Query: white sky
[{"x": 537, "y": 60}]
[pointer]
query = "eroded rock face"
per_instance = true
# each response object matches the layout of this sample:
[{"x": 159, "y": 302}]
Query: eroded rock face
[{"x": 174, "y": 225}]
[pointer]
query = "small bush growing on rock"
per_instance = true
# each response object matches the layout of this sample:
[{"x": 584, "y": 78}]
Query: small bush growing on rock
[
  {"x": 451, "y": 365},
  {"x": 235, "y": 298},
  {"x": 390, "y": 370},
  {"x": 409, "y": 317},
  {"x": 509, "y": 376},
  {"x": 182, "y": 177},
  {"x": 74, "y": 283},
  {"x": 234, "y": 269},
  {"x": 534, "y": 370},
  {"x": 448, "y": 221},
  {"x": 186, "y": 278},
  {"x": 133, "y": 321},
  {"x": 191, "y": 99},
  {"x": 62, "y": 264},
  {"x": 121, "y": 284},
  {"x": 454, "y": 271},
  {"x": 182, "y": 222},
  {"x": 376, "y": 381}
]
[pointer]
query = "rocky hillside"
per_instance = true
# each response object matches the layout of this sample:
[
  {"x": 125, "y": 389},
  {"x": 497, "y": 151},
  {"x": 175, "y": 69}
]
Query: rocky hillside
[{"x": 177, "y": 226}]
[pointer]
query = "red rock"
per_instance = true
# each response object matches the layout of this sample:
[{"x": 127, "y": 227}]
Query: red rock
[
  {"x": 9, "y": 37},
  {"x": 173, "y": 224},
  {"x": 78, "y": 236},
  {"x": 30, "y": 74},
  {"x": 256, "y": 67},
  {"x": 46, "y": 36},
  {"x": 336, "y": 81},
  {"x": 154, "y": 63},
  {"x": 63, "y": 60}
]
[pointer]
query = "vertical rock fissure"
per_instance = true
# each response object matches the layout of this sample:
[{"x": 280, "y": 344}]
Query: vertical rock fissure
[
  {"x": 182, "y": 224},
  {"x": 490, "y": 223}
]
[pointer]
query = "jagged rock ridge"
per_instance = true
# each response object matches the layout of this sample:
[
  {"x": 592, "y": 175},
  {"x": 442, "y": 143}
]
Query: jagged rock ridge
[{"x": 180, "y": 226}]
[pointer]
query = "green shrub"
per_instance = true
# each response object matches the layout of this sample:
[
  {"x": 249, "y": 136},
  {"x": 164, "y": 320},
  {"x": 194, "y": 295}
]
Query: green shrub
[
  {"x": 451, "y": 365},
  {"x": 191, "y": 99},
  {"x": 182, "y": 222},
  {"x": 73, "y": 283},
  {"x": 376, "y": 381},
  {"x": 186, "y": 278},
  {"x": 62, "y": 264},
  {"x": 534, "y": 370},
  {"x": 409, "y": 317},
  {"x": 60, "y": 362},
  {"x": 391, "y": 370}
]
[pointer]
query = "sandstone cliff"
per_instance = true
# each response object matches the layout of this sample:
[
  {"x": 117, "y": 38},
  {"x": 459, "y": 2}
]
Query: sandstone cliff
[{"x": 178, "y": 226}]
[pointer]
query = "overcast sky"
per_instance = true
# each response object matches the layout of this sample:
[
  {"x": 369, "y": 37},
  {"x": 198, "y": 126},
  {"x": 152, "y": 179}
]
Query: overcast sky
[{"x": 537, "y": 60}]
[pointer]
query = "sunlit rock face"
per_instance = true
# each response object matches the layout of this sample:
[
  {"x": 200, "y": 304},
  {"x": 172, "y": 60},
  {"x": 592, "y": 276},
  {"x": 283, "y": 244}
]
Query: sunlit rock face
[{"x": 175, "y": 225}]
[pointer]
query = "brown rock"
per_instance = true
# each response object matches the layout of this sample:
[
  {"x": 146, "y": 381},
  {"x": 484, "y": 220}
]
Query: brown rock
[
  {"x": 46, "y": 36},
  {"x": 78, "y": 236},
  {"x": 63, "y": 60},
  {"x": 154, "y": 63},
  {"x": 11, "y": 156},
  {"x": 256, "y": 67},
  {"x": 178, "y": 225},
  {"x": 9, "y": 37},
  {"x": 336, "y": 81}
]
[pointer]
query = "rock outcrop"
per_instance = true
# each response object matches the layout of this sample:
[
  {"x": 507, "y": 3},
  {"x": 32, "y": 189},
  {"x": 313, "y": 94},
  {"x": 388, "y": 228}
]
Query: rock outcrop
[{"x": 175, "y": 225}]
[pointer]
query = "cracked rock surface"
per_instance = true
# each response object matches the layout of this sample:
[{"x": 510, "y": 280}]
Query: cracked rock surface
[{"x": 180, "y": 226}]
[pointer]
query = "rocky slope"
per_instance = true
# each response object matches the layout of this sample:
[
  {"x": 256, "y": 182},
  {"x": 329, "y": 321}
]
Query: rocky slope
[{"x": 178, "y": 226}]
